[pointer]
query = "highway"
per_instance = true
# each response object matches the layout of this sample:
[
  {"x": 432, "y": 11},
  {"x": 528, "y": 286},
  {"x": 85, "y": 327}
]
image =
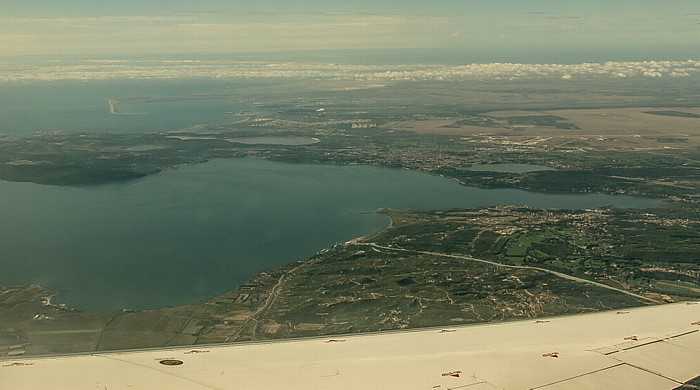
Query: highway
[{"x": 469, "y": 258}]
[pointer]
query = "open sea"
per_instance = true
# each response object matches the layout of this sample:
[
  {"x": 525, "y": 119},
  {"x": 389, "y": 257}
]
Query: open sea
[{"x": 141, "y": 105}]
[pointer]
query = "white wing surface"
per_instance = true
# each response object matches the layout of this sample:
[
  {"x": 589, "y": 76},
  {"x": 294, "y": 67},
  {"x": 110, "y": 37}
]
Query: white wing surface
[{"x": 646, "y": 348}]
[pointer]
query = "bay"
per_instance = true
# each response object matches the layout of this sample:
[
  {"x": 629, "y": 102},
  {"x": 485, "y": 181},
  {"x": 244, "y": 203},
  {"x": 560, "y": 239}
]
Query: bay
[{"x": 188, "y": 234}]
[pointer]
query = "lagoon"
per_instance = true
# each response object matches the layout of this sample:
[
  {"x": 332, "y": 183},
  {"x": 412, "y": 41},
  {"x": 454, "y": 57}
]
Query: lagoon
[{"x": 188, "y": 234}]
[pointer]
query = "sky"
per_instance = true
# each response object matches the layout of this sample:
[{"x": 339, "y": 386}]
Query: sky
[{"x": 501, "y": 30}]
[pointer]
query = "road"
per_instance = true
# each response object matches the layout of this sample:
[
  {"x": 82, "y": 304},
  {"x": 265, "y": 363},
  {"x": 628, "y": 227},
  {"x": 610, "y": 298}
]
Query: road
[
  {"x": 469, "y": 258},
  {"x": 268, "y": 303}
]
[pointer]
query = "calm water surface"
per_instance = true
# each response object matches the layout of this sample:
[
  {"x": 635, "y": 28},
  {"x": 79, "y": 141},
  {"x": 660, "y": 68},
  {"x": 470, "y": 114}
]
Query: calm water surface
[
  {"x": 192, "y": 233},
  {"x": 141, "y": 105}
]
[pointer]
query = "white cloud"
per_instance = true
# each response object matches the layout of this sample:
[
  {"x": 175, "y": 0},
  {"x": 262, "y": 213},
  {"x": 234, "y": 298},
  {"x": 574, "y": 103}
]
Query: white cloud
[{"x": 183, "y": 69}]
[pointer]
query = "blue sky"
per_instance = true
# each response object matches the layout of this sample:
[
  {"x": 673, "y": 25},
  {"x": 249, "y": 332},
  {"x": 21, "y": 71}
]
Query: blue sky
[{"x": 100, "y": 28}]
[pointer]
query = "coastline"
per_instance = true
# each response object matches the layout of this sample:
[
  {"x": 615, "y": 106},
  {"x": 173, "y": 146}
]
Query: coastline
[{"x": 313, "y": 297}]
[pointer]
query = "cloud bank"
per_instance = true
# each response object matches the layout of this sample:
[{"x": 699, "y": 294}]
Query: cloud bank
[{"x": 193, "y": 69}]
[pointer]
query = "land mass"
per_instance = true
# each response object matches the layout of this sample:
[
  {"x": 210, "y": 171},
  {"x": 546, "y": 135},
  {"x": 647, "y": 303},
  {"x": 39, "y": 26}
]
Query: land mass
[
  {"x": 640, "y": 142},
  {"x": 430, "y": 268}
]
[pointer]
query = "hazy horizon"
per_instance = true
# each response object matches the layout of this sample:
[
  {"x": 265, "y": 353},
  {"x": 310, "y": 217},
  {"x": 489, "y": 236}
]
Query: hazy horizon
[{"x": 448, "y": 32}]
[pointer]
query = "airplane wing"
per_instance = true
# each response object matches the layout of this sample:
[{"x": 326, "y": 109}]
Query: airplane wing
[{"x": 654, "y": 347}]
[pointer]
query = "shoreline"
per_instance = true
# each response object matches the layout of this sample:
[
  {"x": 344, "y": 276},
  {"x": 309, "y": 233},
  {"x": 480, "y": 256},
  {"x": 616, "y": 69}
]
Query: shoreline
[
  {"x": 49, "y": 295},
  {"x": 255, "y": 310}
]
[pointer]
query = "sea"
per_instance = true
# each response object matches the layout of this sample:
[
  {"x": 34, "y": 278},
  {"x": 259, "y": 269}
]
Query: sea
[{"x": 140, "y": 106}]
